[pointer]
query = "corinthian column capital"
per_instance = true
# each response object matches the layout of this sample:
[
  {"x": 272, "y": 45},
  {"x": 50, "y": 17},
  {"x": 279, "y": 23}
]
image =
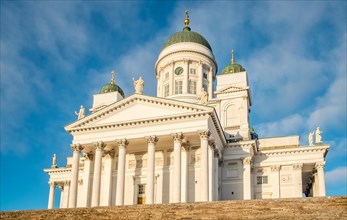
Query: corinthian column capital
[
  {"x": 204, "y": 134},
  {"x": 177, "y": 137},
  {"x": 320, "y": 165},
  {"x": 76, "y": 147},
  {"x": 275, "y": 168},
  {"x": 122, "y": 142},
  {"x": 152, "y": 139},
  {"x": 100, "y": 145},
  {"x": 89, "y": 155},
  {"x": 247, "y": 161}
]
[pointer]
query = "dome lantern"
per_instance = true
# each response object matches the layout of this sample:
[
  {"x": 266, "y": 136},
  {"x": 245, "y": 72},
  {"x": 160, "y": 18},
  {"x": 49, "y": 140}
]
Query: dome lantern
[{"x": 112, "y": 87}]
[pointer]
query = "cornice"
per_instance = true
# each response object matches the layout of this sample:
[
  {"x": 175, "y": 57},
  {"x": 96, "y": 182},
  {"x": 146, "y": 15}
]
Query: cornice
[
  {"x": 139, "y": 122},
  {"x": 60, "y": 170},
  {"x": 230, "y": 90},
  {"x": 313, "y": 149},
  {"x": 132, "y": 99}
]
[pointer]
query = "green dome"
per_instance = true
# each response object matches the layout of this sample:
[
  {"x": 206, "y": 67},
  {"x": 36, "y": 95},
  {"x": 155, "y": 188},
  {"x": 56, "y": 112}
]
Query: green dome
[
  {"x": 186, "y": 36},
  {"x": 233, "y": 68},
  {"x": 111, "y": 87}
]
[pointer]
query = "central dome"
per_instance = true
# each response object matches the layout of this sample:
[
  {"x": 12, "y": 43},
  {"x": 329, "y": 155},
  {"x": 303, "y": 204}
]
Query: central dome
[{"x": 187, "y": 36}]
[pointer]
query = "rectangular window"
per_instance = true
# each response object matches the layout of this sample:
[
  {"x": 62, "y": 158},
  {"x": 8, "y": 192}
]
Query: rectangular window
[
  {"x": 205, "y": 87},
  {"x": 192, "y": 71},
  {"x": 178, "y": 87},
  {"x": 142, "y": 189},
  {"x": 205, "y": 75},
  {"x": 166, "y": 90},
  {"x": 192, "y": 87},
  {"x": 262, "y": 180}
]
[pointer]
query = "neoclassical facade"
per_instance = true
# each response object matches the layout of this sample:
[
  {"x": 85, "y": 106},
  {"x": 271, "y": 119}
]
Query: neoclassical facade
[{"x": 192, "y": 142}]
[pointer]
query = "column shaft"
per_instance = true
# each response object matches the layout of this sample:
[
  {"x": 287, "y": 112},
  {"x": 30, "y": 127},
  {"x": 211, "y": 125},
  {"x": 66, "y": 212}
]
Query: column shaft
[
  {"x": 122, "y": 144},
  {"x": 321, "y": 180},
  {"x": 215, "y": 177},
  {"x": 276, "y": 182},
  {"x": 88, "y": 167},
  {"x": 186, "y": 78},
  {"x": 51, "y": 195},
  {"x": 210, "y": 84},
  {"x": 184, "y": 170},
  {"x": 297, "y": 173},
  {"x": 204, "y": 135},
  {"x": 74, "y": 175},
  {"x": 171, "y": 80},
  {"x": 177, "y": 167},
  {"x": 247, "y": 184},
  {"x": 200, "y": 78},
  {"x": 109, "y": 158},
  {"x": 152, "y": 140},
  {"x": 210, "y": 172},
  {"x": 97, "y": 174}
]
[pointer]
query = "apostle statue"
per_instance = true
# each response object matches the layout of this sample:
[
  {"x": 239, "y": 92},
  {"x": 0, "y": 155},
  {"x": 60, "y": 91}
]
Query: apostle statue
[
  {"x": 318, "y": 136},
  {"x": 310, "y": 138},
  {"x": 80, "y": 114},
  {"x": 54, "y": 161},
  {"x": 203, "y": 97},
  {"x": 138, "y": 84}
]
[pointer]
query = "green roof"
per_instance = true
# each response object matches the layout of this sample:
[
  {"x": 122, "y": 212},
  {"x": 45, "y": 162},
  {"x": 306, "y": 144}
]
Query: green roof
[
  {"x": 111, "y": 87},
  {"x": 232, "y": 68},
  {"x": 186, "y": 35}
]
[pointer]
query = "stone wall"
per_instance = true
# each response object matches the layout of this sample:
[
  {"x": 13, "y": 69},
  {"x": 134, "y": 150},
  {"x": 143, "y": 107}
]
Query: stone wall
[{"x": 306, "y": 208}]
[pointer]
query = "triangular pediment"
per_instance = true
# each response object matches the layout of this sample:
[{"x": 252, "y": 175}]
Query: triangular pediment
[
  {"x": 231, "y": 89},
  {"x": 138, "y": 108}
]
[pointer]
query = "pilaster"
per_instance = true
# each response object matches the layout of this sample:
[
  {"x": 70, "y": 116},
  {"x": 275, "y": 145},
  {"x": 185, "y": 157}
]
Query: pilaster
[
  {"x": 247, "y": 183},
  {"x": 275, "y": 179}
]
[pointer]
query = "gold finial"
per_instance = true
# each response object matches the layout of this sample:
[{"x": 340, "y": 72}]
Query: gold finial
[
  {"x": 112, "y": 79},
  {"x": 186, "y": 21},
  {"x": 232, "y": 57}
]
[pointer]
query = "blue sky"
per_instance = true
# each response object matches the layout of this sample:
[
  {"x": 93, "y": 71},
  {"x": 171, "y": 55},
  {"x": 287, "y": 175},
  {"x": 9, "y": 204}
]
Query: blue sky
[{"x": 55, "y": 55}]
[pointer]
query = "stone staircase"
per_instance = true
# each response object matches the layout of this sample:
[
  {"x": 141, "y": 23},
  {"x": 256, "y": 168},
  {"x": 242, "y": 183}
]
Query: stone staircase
[{"x": 301, "y": 208}]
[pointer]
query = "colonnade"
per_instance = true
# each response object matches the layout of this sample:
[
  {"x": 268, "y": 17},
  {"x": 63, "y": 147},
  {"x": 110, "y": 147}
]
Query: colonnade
[{"x": 209, "y": 178}]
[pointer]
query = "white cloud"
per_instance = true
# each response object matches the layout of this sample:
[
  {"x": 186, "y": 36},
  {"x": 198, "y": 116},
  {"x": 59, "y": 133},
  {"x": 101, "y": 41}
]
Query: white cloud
[{"x": 337, "y": 176}]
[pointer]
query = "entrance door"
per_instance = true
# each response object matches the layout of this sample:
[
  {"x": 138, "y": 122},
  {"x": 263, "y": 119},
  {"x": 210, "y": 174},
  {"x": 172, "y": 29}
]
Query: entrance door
[{"x": 141, "y": 195}]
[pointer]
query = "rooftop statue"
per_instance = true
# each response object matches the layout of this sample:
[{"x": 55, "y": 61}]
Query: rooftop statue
[
  {"x": 203, "y": 97},
  {"x": 54, "y": 161},
  {"x": 80, "y": 114},
  {"x": 318, "y": 136},
  {"x": 138, "y": 84},
  {"x": 310, "y": 138}
]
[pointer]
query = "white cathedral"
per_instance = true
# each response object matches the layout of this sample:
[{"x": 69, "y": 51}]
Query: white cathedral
[{"x": 190, "y": 143}]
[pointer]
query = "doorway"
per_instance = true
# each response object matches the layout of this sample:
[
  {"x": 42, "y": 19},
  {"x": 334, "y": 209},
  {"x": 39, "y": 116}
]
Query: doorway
[{"x": 141, "y": 195}]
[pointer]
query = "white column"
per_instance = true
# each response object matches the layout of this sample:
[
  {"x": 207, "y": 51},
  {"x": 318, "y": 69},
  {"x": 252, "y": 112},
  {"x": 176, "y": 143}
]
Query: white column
[
  {"x": 152, "y": 140},
  {"x": 65, "y": 202},
  {"x": 186, "y": 77},
  {"x": 321, "y": 181},
  {"x": 97, "y": 173},
  {"x": 177, "y": 167},
  {"x": 184, "y": 171},
  {"x": 247, "y": 184},
  {"x": 61, "y": 187},
  {"x": 74, "y": 175},
  {"x": 200, "y": 78},
  {"x": 51, "y": 194},
  {"x": 88, "y": 167},
  {"x": 297, "y": 176},
  {"x": 210, "y": 170},
  {"x": 215, "y": 175},
  {"x": 109, "y": 158},
  {"x": 122, "y": 145},
  {"x": 171, "y": 79},
  {"x": 210, "y": 84},
  {"x": 204, "y": 136},
  {"x": 276, "y": 181}
]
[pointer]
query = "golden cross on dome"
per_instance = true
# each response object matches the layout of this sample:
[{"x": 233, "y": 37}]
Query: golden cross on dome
[
  {"x": 112, "y": 79},
  {"x": 232, "y": 57},
  {"x": 186, "y": 21}
]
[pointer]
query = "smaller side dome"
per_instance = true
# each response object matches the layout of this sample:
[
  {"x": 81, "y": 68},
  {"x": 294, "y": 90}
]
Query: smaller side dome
[
  {"x": 233, "y": 67},
  {"x": 112, "y": 87}
]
